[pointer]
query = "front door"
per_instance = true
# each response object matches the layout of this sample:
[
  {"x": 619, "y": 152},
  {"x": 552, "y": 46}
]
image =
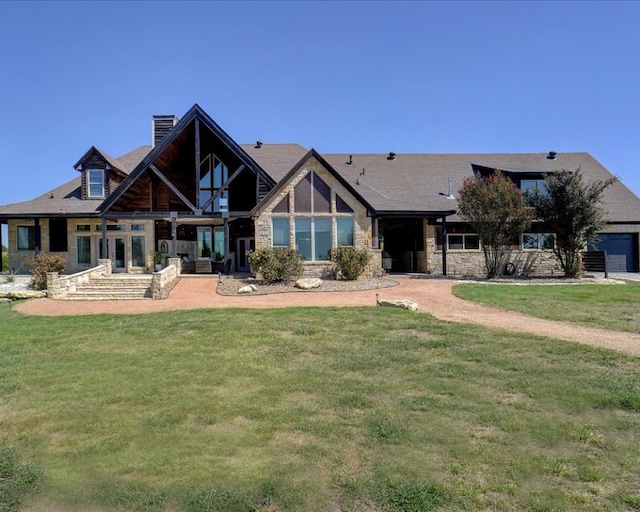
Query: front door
[
  {"x": 116, "y": 252},
  {"x": 244, "y": 246}
]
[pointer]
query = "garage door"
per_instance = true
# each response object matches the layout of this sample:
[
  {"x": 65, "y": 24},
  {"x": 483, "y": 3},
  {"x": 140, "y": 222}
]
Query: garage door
[{"x": 620, "y": 251}]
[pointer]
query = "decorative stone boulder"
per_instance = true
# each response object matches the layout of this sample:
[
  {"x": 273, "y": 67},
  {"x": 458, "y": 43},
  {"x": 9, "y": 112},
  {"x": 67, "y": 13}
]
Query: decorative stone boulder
[
  {"x": 308, "y": 283},
  {"x": 250, "y": 288},
  {"x": 24, "y": 294},
  {"x": 398, "y": 303}
]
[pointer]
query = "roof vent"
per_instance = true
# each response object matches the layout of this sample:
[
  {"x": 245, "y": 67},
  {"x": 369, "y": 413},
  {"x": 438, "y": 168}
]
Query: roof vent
[
  {"x": 160, "y": 126},
  {"x": 392, "y": 156},
  {"x": 258, "y": 144},
  {"x": 551, "y": 155},
  {"x": 350, "y": 160}
]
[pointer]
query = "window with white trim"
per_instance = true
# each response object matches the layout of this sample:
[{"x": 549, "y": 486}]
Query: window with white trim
[
  {"x": 95, "y": 183},
  {"x": 537, "y": 241},
  {"x": 463, "y": 242},
  {"x": 280, "y": 232}
]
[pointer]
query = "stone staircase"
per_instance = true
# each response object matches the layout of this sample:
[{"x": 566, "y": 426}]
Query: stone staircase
[{"x": 115, "y": 287}]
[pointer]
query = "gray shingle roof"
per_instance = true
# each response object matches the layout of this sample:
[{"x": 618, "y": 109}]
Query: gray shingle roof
[
  {"x": 276, "y": 159},
  {"x": 66, "y": 199},
  {"x": 413, "y": 182}
]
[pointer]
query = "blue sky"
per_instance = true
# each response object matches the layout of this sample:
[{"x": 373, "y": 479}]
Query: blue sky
[{"x": 419, "y": 77}]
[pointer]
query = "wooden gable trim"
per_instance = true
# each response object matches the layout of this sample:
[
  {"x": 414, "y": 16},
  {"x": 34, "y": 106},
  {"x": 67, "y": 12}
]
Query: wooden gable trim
[{"x": 172, "y": 187}]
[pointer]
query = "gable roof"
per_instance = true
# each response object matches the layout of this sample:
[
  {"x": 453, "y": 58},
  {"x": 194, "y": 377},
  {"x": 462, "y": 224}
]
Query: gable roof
[
  {"x": 194, "y": 113},
  {"x": 66, "y": 200},
  {"x": 312, "y": 153},
  {"x": 276, "y": 159}
]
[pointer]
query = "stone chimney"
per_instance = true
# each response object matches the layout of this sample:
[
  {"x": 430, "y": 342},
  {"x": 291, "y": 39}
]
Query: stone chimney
[{"x": 160, "y": 126}]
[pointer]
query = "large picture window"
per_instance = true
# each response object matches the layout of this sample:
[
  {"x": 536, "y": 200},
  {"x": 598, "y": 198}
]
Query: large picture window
[
  {"x": 213, "y": 174},
  {"x": 318, "y": 222},
  {"x": 26, "y": 238},
  {"x": 95, "y": 183}
]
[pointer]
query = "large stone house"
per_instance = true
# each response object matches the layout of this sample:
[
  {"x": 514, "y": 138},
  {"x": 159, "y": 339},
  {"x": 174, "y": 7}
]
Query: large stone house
[{"x": 197, "y": 194}]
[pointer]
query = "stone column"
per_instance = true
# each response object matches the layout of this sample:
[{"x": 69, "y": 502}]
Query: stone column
[
  {"x": 107, "y": 266},
  {"x": 177, "y": 262}
]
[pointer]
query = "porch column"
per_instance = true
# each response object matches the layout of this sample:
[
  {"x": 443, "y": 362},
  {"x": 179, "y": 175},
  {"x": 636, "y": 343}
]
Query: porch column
[
  {"x": 375, "y": 243},
  {"x": 444, "y": 246},
  {"x": 38, "y": 237},
  {"x": 103, "y": 241},
  {"x": 1, "y": 253},
  {"x": 174, "y": 234},
  {"x": 226, "y": 239}
]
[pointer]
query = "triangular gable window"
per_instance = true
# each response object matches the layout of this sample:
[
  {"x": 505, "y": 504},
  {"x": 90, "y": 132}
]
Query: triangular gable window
[
  {"x": 341, "y": 206},
  {"x": 282, "y": 206},
  {"x": 312, "y": 194}
]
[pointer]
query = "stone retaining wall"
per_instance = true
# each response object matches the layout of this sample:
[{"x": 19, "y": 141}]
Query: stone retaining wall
[
  {"x": 163, "y": 282},
  {"x": 59, "y": 286}
]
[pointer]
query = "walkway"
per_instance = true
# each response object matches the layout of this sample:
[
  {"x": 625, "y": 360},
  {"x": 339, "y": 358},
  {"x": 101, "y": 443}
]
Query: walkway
[{"x": 432, "y": 295}]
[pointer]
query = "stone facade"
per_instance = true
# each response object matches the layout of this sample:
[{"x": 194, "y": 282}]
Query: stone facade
[
  {"x": 362, "y": 222},
  {"x": 20, "y": 261}
]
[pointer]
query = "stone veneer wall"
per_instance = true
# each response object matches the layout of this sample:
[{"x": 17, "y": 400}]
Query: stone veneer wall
[
  {"x": 21, "y": 260},
  {"x": 471, "y": 263},
  {"x": 362, "y": 222}
]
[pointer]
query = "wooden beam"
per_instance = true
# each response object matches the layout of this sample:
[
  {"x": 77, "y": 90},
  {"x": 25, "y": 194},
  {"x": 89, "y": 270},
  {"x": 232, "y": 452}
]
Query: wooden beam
[
  {"x": 224, "y": 186},
  {"x": 172, "y": 187},
  {"x": 198, "y": 163}
]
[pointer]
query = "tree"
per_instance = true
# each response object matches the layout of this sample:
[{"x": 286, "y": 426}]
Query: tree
[
  {"x": 571, "y": 209},
  {"x": 496, "y": 209}
]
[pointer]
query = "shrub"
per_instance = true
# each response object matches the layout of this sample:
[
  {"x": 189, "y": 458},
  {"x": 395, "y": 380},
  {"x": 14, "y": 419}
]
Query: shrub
[
  {"x": 277, "y": 264},
  {"x": 350, "y": 262},
  {"x": 41, "y": 264}
]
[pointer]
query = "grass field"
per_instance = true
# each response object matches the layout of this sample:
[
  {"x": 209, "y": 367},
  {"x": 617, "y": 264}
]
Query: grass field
[
  {"x": 345, "y": 409},
  {"x": 614, "y": 307}
]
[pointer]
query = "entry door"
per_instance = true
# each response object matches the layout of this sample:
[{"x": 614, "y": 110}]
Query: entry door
[
  {"x": 118, "y": 253},
  {"x": 244, "y": 246}
]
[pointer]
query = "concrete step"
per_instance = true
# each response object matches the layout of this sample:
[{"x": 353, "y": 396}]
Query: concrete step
[{"x": 113, "y": 288}]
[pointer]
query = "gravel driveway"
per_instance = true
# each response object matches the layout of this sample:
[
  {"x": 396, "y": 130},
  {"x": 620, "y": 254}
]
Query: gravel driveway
[{"x": 432, "y": 295}]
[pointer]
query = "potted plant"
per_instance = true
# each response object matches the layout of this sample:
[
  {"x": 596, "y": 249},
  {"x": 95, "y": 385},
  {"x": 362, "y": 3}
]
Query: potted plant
[{"x": 157, "y": 259}]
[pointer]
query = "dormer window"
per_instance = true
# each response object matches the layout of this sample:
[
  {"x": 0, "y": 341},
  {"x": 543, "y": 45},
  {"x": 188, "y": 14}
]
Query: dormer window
[{"x": 95, "y": 183}]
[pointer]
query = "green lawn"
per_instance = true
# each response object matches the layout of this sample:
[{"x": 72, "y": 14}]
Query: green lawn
[
  {"x": 615, "y": 307},
  {"x": 345, "y": 409}
]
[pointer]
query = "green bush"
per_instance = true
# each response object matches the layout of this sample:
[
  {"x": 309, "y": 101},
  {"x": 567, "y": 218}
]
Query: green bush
[
  {"x": 5, "y": 258},
  {"x": 17, "y": 480},
  {"x": 41, "y": 264},
  {"x": 277, "y": 264},
  {"x": 350, "y": 262}
]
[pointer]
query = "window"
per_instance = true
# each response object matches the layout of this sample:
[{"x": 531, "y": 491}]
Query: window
[
  {"x": 213, "y": 174},
  {"x": 323, "y": 224},
  {"x": 137, "y": 227},
  {"x": 58, "y": 235},
  {"x": 83, "y": 227},
  {"x": 137, "y": 251},
  {"x": 280, "y": 234},
  {"x": 83, "y": 245},
  {"x": 95, "y": 183},
  {"x": 26, "y": 238},
  {"x": 538, "y": 241},
  {"x": 303, "y": 238},
  {"x": 532, "y": 185},
  {"x": 463, "y": 242},
  {"x": 218, "y": 243},
  {"x": 344, "y": 231}
]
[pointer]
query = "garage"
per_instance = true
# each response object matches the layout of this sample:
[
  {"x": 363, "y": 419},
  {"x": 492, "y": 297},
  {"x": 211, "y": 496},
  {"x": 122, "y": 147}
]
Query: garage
[{"x": 621, "y": 251}]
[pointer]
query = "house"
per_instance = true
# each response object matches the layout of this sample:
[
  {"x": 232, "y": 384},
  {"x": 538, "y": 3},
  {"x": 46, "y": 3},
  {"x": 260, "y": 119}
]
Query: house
[{"x": 195, "y": 193}]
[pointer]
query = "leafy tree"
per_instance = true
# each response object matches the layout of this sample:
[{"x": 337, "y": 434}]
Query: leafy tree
[
  {"x": 496, "y": 209},
  {"x": 572, "y": 210}
]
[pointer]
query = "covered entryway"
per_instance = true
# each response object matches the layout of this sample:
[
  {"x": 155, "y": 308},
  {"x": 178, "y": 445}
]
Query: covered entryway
[
  {"x": 402, "y": 242},
  {"x": 621, "y": 249}
]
